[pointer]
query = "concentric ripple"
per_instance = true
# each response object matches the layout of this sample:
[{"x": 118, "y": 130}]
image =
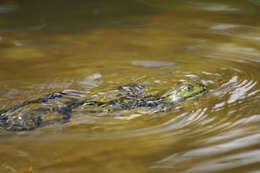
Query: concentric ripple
[
  {"x": 229, "y": 104},
  {"x": 225, "y": 123},
  {"x": 219, "y": 124}
]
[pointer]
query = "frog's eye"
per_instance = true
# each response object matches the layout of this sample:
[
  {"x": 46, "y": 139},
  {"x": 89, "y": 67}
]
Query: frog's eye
[{"x": 189, "y": 87}]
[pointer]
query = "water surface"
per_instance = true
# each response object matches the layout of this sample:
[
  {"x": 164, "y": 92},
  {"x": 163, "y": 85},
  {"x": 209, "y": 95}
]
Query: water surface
[{"x": 51, "y": 46}]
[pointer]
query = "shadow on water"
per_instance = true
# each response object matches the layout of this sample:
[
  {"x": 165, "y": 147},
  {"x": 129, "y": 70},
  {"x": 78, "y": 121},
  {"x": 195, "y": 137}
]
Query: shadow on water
[
  {"x": 69, "y": 16},
  {"x": 60, "y": 17}
]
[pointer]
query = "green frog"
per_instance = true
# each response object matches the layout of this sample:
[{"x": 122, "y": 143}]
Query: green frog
[{"x": 31, "y": 114}]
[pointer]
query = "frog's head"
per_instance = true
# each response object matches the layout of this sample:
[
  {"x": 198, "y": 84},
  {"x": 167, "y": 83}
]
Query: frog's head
[{"x": 183, "y": 91}]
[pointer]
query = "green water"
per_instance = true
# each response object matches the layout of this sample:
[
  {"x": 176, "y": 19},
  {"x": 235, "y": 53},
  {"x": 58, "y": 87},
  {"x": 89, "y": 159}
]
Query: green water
[{"x": 96, "y": 46}]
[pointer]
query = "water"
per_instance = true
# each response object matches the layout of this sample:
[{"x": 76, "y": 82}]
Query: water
[{"x": 95, "y": 47}]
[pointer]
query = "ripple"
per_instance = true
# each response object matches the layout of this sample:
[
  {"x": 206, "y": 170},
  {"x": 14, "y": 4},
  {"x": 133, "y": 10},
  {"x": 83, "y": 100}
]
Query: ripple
[
  {"x": 256, "y": 2},
  {"x": 217, "y": 130},
  {"x": 152, "y": 63},
  {"x": 241, "y": 91},
  {"x": 215, "y": 157},
  {"x": 16, "y": 28},
  {"x": 39, "y": 43},
  {"x": 228, "y": 162},
  {"x": 231, "y": 89},
  {"x": 225, "y": 129},
  {"x": 90, "y": 81},
  {"x": 213, "y": 7}
]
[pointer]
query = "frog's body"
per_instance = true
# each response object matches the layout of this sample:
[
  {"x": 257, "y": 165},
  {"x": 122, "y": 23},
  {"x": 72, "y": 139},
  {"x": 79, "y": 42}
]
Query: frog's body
[{"x": 15, "y": 119}]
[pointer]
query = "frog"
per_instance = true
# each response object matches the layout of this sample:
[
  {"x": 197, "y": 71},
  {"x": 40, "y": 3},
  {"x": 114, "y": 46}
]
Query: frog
[{"x": 31, "y": 114}]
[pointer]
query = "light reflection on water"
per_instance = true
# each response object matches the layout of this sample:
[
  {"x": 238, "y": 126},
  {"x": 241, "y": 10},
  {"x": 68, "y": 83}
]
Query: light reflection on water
[{"x": 153, "y": 45}]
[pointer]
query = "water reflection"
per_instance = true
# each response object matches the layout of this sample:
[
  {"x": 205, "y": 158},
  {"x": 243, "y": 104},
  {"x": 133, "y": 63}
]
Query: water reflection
[
  {"x": 16, "y": 28},
  {"x": 152, "y": 63},
  {"x": 213, "y": 7},
  {"x": 39, "y": 43},
  {"x": 215, "y": 157},
  {"x": 8, "y": 8}
]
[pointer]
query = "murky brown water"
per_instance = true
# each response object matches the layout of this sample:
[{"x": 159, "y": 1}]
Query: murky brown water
[{"x": 52, "y": 45}]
